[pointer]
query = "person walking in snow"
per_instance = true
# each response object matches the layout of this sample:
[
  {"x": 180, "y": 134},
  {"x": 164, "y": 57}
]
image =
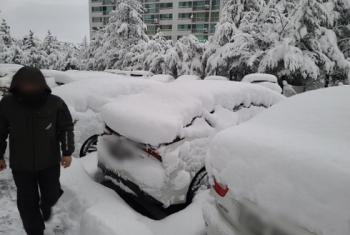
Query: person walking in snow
[{"x": 40, "y": 127}]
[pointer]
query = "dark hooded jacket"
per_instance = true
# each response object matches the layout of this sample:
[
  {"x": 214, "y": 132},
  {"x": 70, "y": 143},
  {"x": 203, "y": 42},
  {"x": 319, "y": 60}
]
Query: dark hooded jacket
[{"x": 40, "y": 131}]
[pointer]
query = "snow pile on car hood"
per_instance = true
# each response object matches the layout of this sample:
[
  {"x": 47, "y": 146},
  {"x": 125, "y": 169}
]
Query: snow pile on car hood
[
  {"x": 159, "y": 114},
  {"x": 293, "y": 159}
]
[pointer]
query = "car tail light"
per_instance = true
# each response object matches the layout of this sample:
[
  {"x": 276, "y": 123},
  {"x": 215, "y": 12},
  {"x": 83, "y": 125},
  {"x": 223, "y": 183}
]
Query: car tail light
[{"x": 220, "y": 189}]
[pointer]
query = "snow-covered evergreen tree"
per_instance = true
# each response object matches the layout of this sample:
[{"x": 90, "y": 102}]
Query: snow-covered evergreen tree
[
  {"x": 32, "y": 55},
  {"x": 154, "y": 56},
  {"x": 5, "y": 36},
  {"x": 125, "y": 29},
  {"x": 51, "y": 47}
]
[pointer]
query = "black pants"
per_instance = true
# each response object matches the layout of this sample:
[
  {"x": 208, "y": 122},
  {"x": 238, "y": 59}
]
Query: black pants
[{"x": 29, "y": 201}]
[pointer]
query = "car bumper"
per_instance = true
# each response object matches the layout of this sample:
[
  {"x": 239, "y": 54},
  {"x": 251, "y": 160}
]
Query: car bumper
[
  {"x": 134, "y": 189},
  {"x": 216, "y": 224}
]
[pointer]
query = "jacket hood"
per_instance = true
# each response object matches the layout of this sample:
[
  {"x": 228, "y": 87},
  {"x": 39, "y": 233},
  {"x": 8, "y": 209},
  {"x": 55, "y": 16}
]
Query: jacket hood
[{"x": 29, "y": 74}]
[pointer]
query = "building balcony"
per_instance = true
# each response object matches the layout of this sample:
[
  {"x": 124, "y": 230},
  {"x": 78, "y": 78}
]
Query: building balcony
[
  {"x": 149, "y": 10},
  {"x": 108, "y": 2},
  {"x": 201, "y": 8},
  {"x": 201, "y": 31},
  {"x": 214, "y": 19},
  {"x": 200, "y": 19},
  {"x": 215, "y": 7}
]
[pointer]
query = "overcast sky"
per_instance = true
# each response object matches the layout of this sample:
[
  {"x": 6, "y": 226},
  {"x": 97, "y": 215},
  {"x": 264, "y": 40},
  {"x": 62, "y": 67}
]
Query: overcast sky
[{"x": 66, "y": 19}]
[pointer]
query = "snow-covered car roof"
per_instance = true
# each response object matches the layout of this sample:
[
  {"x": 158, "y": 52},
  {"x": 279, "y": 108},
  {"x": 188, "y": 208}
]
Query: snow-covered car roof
[
  {"x": 188, "y": 78},
  {"x": 262, "y": 79},
  {"x": 293, "y": 159},
  {"x": 9, "y": 69},
  {"x": 72, "y": 76},
  {"x": 95, "y": 92},
  {"x": 220, "y": 78},
  {"x": 160, "y": 114},
  {"x": 136, "y": 73},
  {"x": 162, "y": 78},
  {"x": 259, "y": 77}
]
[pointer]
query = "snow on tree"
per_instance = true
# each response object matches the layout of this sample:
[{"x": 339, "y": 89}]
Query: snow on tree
[
  {"x": 94, "y": 51},
  {"x": 32, "y": 55},
  {"x": 124, "y": 30},
  {"x": 186, "y": 57},
  {"x": 51, "y": 47},
  {"x": 5, "y": 36},
  {"x": 154, "y": 56}
]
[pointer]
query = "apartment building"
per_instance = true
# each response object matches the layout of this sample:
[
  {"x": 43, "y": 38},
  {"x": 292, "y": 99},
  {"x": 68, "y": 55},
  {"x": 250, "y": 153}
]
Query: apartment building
[{"x": 175, "y": 18}]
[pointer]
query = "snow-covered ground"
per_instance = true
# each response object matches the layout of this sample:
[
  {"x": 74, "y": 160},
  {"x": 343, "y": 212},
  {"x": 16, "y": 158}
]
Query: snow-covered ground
[{"x": 89, "y": 208}]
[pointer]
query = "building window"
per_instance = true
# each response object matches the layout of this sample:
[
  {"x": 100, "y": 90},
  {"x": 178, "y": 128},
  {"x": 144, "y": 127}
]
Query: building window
[
  {"x": 96, "y": 19},
  {"x": 108, "y": 9},
  {"x": 150, "y": 19},
  {"x": 214, "y": 16},
  {"x": 167, "y": 5},
  {"x": 108, "y": 2},
  {"x": 151, "y": 8},
  {"x": 202, "y": 5},
  {"x": 96, "y": 9},
  {"x": 167, "y": 37},
  {"x": 96, "y": 0},
  {"x": 183, "y": 16},
  {"x": 181, "y": 27},
  {"x": 185, "y": 4},
  {"x": 202, "y": 38},
  {"x": 166, "y": 16},
  {"x": 212, "y": 28},
  {"x": 105, "y": 20},
  {"x": 179, "y": 37},
  {"x": 200, "y": 28},
  {"x": 200, "y": 17},
  {"x": 166, "y": 27},
  {"x": 95, "y": 28},
  {"x": 215, "y": 4}
]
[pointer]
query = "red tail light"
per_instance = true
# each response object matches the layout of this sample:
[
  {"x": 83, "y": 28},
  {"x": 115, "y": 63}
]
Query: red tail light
[{"x": 220, "y": 189}]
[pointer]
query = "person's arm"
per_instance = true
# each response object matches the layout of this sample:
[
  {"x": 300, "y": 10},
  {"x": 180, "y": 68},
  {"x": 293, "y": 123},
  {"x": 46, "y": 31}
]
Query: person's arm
[
  {"x": 4, "y": 132},
  {"x": 65, "y": 127}
]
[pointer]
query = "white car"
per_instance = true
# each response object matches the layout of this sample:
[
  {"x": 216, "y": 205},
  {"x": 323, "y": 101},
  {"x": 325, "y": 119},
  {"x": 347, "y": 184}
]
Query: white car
[
  {"x": 217, "y": 78},
  {"x": 136, "y": 73},
  {"x": 187, "y": 78},
  {"x": 286, "y": 171},
  {"x": 263, "y": 79},
  {"x": 158, "y": 138}
]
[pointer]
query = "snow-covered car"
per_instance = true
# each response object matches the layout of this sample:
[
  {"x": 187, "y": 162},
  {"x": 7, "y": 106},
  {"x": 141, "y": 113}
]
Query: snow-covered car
[
  {"x": 158, "y": 138},
  {"x": 217, "y": 78},
  {"x": 187, "y": 78},
  {"x": 85, "y": 99},
  {"x": 285, "y": 171},
  {"x": 136, "y": 73},
  {"x": 263, "y": 79},
  {"x": 162, "y": 78}
]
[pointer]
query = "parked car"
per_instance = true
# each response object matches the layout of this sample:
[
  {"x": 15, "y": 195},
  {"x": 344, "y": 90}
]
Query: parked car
[
  {"x": 285, "y": 171},
  {"x": 155, "y": 141},
  {"x": 187, "y": 78},
  {"x": 263, "y": 79},
  {"x": 136, "y": 73},
  {"x": 85, "y": 99},
  {"x": 162, "y": 78},
  {"x": 215, "y": 77}
]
